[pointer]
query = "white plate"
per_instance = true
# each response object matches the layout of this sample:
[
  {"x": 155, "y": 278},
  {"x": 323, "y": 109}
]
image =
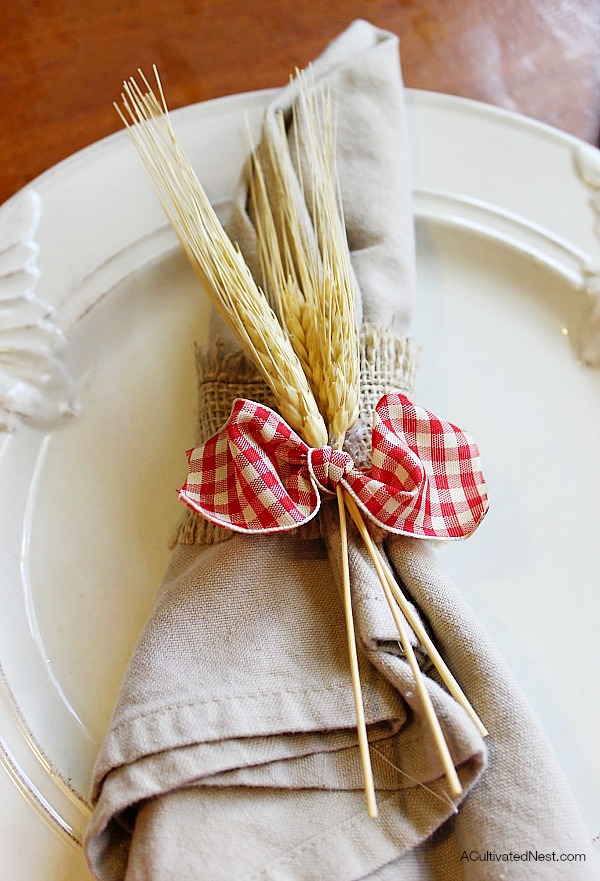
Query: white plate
[{"x": 506, "y": 245}]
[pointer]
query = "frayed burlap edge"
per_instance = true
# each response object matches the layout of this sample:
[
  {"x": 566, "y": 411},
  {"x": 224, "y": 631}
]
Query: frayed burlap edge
[{"x": 388, "y": 362}]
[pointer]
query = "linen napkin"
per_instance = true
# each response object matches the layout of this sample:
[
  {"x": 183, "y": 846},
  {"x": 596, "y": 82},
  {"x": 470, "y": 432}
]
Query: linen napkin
[{"x": 232, "y": 752}]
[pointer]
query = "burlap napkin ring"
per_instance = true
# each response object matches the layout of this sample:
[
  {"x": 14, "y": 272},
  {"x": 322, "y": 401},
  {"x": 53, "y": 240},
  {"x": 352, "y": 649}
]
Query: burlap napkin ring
[{"x": 388, "y": 362}]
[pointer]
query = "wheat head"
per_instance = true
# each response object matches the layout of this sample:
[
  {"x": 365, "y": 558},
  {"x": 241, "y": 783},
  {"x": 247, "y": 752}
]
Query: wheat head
[
  {"x": 217, "y": 262},
  {"x": 305, "y": 257}
]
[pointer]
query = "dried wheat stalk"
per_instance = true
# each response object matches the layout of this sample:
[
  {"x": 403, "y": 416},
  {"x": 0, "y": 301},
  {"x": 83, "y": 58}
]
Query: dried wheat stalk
[
  {"x": 217, "y": 262},
  {"x": 326, "y": 309},
  {"x": 310, "y": 274},
  {"x": 339, "y": 346},
  {"x": 243, "y": 305},
  {"x": 310, "y": 280}
]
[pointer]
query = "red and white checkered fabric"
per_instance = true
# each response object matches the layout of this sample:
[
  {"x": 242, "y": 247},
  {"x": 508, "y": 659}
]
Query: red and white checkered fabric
[{"x": 257, "y": 475}]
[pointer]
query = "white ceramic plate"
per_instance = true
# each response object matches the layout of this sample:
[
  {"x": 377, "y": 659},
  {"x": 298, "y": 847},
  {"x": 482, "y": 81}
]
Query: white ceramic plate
[{"x": 506, "y": 250}]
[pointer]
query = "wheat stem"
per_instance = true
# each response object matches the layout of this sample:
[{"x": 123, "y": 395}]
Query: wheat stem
[
  {"x": 363, "y": 743},
  {"x": 430, "y": 714},
  {"x": 425, "y": 640}
]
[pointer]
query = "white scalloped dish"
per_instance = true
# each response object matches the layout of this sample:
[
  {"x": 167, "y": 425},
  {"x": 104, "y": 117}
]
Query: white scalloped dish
[{"x": 507, "y": 316}]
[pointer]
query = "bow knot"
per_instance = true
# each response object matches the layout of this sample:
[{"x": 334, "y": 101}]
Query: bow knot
[
  {"x": 257, "y": 475},
  {"x": 329, "y": 467}
]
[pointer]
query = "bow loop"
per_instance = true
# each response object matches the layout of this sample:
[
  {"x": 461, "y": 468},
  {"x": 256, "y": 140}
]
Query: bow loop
[
  {"x": 251, "y": 476},
  {"x": 431, "y": 470}
]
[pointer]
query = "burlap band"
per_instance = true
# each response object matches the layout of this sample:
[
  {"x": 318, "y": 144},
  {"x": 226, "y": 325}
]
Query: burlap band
[{"x": 387, "y": 363}]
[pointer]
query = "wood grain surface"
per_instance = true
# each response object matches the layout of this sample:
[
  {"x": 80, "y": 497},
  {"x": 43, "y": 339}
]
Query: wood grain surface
[{"x": 62, "y": 62}]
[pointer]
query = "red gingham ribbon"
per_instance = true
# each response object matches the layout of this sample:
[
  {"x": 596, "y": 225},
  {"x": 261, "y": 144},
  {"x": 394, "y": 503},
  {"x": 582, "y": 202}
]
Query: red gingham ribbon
[{"x": 257, "y": 475}]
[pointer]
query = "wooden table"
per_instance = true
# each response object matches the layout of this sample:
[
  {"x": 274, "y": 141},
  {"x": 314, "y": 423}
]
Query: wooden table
[{"x": 63, "y": 61}]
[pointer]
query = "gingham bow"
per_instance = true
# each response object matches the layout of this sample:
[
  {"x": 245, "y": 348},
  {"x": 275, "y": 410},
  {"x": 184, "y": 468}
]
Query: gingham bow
[{"x": 257, "y": 475}]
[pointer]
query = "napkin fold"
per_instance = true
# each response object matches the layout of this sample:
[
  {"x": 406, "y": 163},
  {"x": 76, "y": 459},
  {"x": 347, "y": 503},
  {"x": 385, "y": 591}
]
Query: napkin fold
[{"x": 232, "y": 753}]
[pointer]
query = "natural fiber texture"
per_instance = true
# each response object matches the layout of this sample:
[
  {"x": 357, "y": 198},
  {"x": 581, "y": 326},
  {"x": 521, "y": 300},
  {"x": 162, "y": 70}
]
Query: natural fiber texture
[
  {"x": 388, "y": 362},
  {"x": 222, "y": 376}
]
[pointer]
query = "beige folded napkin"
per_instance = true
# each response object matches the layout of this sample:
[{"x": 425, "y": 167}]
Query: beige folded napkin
[{"x": 232, "y": 753}]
